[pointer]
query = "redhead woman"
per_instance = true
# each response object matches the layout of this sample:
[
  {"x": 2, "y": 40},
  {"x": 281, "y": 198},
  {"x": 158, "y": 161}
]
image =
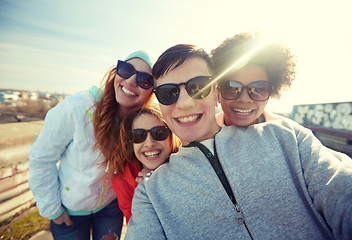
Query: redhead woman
[{"x": 80, "y": 135}]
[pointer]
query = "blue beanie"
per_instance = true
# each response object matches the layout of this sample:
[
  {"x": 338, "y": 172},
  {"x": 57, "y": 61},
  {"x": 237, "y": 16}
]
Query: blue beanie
[{"x": 145, "y": 55}]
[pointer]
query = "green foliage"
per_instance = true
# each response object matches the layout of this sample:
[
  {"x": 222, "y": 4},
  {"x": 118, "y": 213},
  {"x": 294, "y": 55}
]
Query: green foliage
[{"x": 26, "y": 227}]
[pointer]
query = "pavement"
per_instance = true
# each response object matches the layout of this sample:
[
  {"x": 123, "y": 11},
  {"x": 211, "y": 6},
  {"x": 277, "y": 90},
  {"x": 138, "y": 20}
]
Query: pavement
[
  {"x": 42, "y": 235},
  {"x": 16, "y": 140}
]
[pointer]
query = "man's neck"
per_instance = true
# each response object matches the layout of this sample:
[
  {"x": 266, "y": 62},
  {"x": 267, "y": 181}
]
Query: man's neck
[{"x": 210, "y": 135}]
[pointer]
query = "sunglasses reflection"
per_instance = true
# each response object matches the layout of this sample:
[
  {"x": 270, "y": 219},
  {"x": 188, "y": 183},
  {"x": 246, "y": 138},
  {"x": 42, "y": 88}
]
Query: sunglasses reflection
[
  {"x": 257, "y": 91},
  {"x": 126, "y": 70},
  {"x": 197, "y": 88},
  {"x": 158, "y": 133}
]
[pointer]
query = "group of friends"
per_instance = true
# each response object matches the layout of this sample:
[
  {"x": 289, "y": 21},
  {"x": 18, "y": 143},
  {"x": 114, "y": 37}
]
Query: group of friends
[{"x": 181, "y": 171}]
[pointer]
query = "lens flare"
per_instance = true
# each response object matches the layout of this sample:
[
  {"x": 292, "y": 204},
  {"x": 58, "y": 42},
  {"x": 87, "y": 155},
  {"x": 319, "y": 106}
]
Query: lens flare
[{"x": 242, "y": 61}]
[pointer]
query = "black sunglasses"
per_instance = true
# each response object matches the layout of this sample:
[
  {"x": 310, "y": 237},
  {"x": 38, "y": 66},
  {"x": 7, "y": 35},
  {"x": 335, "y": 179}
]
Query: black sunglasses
[
  {"x": 158, "y": 133},
  {"x": 126, "y": 70},
  {"x": 197, "y": 88},
  {"x": 257, "y": 91}
]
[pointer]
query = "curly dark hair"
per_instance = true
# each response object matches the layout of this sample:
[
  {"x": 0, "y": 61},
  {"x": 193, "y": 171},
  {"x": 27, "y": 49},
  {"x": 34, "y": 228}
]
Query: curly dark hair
[{"x": 275, "y": 58}]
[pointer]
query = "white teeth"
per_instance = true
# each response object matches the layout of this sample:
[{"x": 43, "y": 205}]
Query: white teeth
[
  {"x": 125, "y": 90},
  {"x": 151, "y": 154},
  {"x": 241, "y": 111},
  {"x": 188, "y": 119}
]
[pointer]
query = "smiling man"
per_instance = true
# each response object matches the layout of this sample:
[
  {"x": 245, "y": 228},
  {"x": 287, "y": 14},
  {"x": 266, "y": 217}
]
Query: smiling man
[
  {"x": 190, "y": 119},
  {"x": 272, "y": 180}
]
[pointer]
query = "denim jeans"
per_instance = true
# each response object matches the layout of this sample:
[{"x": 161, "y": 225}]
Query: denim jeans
[{"x": 106, "y": 221}]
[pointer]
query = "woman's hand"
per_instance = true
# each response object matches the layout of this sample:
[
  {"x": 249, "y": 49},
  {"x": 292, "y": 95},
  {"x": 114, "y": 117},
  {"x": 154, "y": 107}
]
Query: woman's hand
[
  {"x": 64, "y": 218},
  {"x": 142, "y": 174}
]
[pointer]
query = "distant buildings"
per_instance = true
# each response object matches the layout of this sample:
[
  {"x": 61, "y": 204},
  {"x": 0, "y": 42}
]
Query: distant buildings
[{"x": 8, "y": 96}]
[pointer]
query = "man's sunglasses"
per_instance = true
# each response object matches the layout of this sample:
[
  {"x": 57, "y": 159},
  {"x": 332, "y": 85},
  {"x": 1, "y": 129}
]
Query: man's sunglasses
[
  {"x": 126, "y": 70},
  {"x": 257, "y": 91},
  {"x": 158, "y": 133},
  {"x": 197, "y": 88}
]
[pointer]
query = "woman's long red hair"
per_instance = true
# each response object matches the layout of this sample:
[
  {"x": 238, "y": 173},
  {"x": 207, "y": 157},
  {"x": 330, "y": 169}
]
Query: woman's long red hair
[{"x": 106, "y": 126}]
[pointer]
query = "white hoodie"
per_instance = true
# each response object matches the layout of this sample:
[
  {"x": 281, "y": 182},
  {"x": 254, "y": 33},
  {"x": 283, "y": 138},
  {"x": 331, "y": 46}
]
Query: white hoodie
[{"x": 64, "y": 169}]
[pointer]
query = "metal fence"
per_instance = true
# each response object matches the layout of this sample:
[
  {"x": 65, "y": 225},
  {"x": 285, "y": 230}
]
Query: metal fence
[
  {"x": 15, "y": 194},
  {"x": 16, "y": 140}
]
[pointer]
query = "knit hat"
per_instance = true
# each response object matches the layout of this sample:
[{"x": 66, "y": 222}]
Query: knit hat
[{"x": 145, "y": 55}]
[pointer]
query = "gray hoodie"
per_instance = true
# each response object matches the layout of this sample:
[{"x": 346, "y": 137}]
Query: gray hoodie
[{"x": 286, "y": 183}]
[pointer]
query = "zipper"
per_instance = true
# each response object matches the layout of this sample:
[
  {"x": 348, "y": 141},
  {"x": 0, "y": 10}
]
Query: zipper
[
  {"x": 239, "y": 215},
  {"x": 215, "y": 163},
  {"x": 102, "y": 195},
  {"x": 241, "y": 220}
]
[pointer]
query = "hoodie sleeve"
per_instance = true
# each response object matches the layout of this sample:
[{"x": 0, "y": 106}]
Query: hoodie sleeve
[
  {"x": 56, "y": 135},
  {"x": 328, "y": 175},
  {"x": 143, "y": 212}
]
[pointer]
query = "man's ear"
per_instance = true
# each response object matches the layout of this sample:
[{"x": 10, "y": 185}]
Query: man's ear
[{"x": 217, "y": 92}]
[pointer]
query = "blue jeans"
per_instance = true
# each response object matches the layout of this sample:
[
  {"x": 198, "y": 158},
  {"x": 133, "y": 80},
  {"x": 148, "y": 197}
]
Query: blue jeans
[{"x": 106, "y": 221}]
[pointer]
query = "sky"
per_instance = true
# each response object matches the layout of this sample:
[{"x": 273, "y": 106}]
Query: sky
[{"x": 67, "y": 46}]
